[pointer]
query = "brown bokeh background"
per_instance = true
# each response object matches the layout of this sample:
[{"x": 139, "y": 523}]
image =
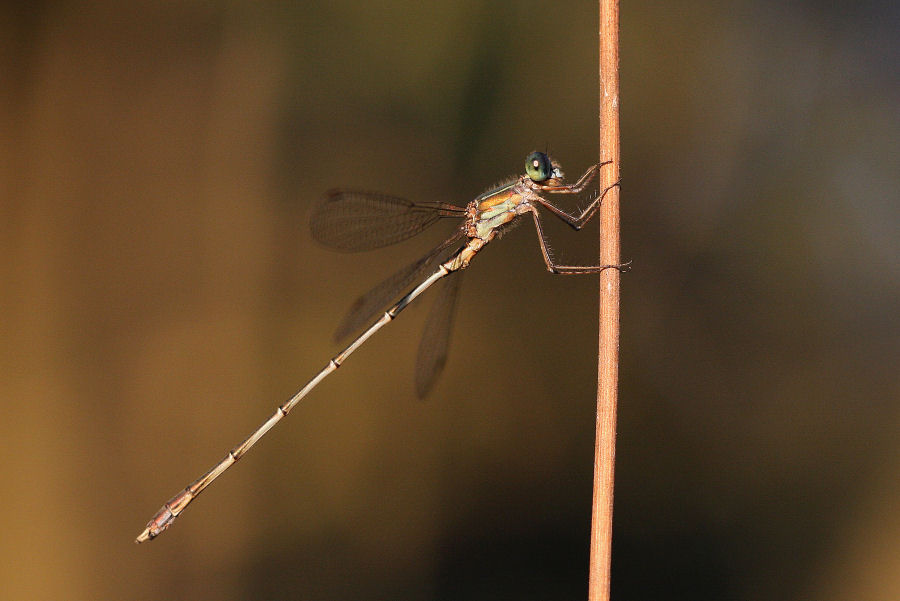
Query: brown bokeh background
[{"x": 160, "y": 295}]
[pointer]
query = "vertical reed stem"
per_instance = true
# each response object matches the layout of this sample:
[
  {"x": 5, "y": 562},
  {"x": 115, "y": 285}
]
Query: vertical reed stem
[{"x": 608, "y": 359}]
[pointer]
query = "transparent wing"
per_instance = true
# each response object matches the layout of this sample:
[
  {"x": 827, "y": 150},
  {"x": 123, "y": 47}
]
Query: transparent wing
[
  {"x": 436, "y": 339},
  {"x": 353, "y": 220},
  {"x": 375, "y": 300}
]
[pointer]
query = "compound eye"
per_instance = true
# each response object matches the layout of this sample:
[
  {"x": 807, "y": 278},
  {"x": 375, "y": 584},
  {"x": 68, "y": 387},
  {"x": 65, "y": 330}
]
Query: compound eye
[{"x": 538, "y": 167}]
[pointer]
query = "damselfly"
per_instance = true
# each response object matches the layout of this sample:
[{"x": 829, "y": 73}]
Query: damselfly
[{"x": 351, "y": 220}]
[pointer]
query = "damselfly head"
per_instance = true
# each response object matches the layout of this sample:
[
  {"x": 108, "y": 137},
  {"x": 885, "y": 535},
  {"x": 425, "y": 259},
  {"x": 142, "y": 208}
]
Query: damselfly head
[{"x": 539, "y": 167}]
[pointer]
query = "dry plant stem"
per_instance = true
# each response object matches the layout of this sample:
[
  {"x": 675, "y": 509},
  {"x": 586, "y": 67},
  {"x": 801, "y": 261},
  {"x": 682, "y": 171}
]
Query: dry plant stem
[{"x": 608, "y": 359}]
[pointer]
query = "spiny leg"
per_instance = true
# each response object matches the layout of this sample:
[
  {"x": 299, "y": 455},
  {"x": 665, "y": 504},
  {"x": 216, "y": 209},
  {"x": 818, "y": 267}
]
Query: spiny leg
[
  {"x": 578, "y": 186},
  {"x": 567, "y": 269},
  {"x": 576, "y": 221}
]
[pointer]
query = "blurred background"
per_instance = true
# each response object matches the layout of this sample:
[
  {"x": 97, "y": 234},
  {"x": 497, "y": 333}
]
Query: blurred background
[{"x": 160, "y": 294}]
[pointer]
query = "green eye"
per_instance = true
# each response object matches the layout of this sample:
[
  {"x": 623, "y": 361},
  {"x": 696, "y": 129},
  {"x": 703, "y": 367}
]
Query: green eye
[{"x": 538, "y": 166}]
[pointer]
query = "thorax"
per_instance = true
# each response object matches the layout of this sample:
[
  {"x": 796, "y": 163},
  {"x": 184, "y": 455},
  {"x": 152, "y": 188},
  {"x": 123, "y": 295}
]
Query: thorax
[{"x": 489, "y": 212}]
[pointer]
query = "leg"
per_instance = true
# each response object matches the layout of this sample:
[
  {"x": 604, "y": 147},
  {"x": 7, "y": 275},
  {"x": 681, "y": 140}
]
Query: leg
[
  {"x": 567, "y": 269},
  {"x": 577, "y": 186},
  {"x": 576, "y": 221}
]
